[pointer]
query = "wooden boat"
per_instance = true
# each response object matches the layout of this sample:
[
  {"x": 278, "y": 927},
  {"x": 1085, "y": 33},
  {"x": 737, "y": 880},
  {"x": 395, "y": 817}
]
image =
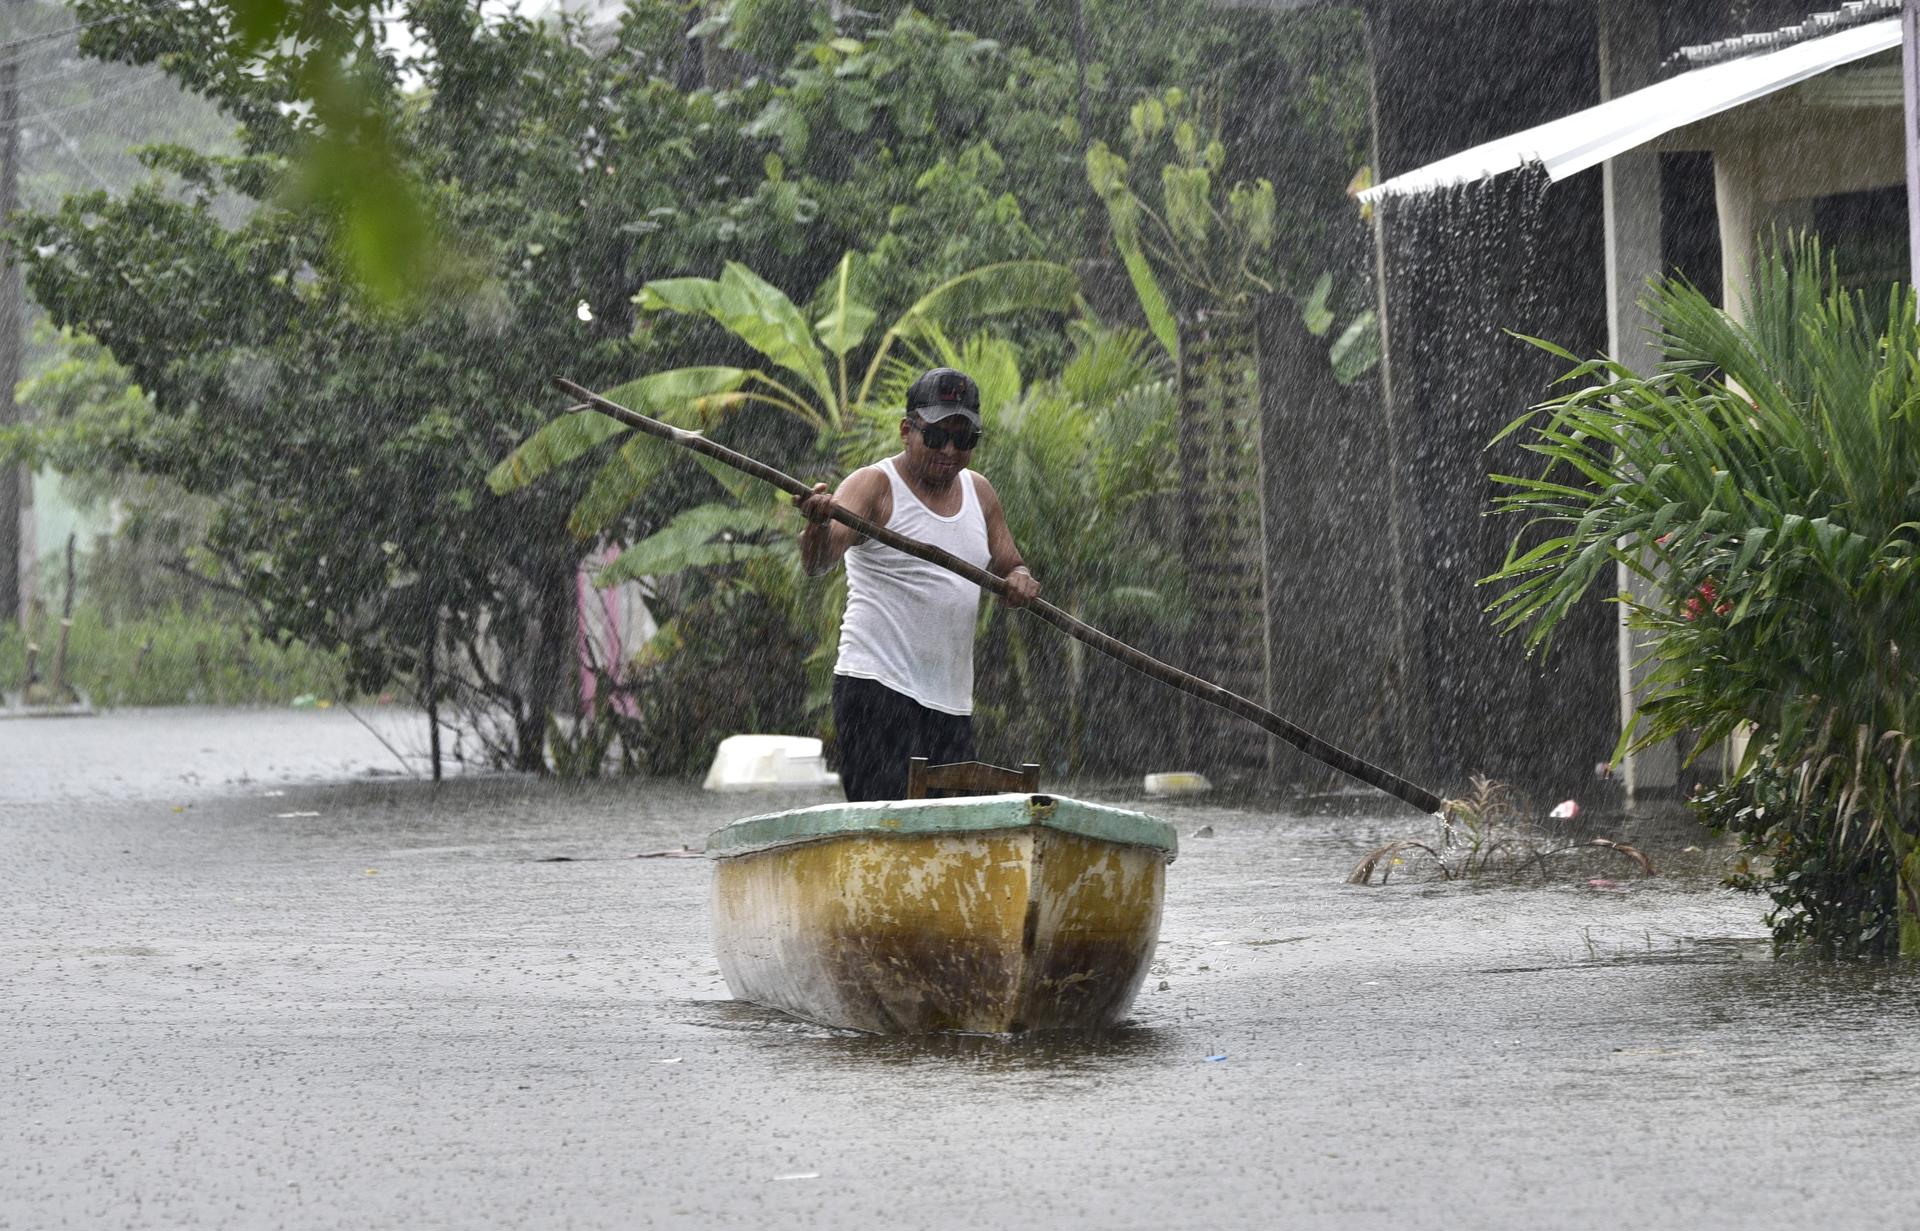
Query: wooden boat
[{"x": 990, "y": 914}]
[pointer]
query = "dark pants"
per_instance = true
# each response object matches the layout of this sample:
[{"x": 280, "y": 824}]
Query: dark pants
[{"x": 877, "y": 729}]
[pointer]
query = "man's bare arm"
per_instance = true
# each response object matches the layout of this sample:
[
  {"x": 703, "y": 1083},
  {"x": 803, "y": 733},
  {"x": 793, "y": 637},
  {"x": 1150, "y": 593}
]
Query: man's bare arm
[
  {"x": 823, "y": 541},
  {"x": 1003, "y": 555}
]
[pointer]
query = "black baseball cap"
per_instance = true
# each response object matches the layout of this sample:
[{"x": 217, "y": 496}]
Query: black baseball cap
[{"x": 943, "y": 393}]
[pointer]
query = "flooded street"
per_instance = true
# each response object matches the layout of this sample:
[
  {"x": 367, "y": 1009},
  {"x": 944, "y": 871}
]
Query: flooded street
[{"x": 258, "y": 978}]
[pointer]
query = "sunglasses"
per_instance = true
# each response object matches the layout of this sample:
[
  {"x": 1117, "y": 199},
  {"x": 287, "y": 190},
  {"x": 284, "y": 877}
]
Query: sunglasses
[{"x": 963, "y": 438}]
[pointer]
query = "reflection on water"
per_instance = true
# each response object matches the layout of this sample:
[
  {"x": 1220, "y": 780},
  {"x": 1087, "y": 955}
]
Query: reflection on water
[
  {"x": 1055, "y": 1051},
  {"x": 1061, "y": 1052},
  {"x": 1796, "y": 994}
]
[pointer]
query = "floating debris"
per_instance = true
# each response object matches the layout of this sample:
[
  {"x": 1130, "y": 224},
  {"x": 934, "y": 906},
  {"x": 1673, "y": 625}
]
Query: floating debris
[{"x": 1177, "y": 782}]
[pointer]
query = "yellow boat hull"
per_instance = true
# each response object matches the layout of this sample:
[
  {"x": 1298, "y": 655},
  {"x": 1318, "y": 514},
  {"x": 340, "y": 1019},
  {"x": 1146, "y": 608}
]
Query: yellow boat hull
[{"x": 977, "y": 929}]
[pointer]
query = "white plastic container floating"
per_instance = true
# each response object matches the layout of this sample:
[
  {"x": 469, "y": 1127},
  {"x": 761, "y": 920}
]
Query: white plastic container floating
[
  {"x": 761, "y": 762},
  {"x": 1177, "y": 783}
]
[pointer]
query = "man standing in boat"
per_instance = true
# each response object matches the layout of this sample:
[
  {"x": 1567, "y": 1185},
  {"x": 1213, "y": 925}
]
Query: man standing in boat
[{"x": 903, "y": 685}]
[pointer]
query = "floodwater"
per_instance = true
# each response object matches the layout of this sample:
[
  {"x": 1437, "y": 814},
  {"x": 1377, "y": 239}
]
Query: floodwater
[{"x": 257, "y": 977}]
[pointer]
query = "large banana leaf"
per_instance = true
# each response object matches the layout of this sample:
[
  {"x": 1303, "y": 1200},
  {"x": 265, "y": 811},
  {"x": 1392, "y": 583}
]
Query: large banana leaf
[
  {"x": 846, "y": 320},
  {"x": 556, "y": 443},
  {"x": 1107, "y": 173},
  {"x": 685, "y": 397},
  {"x": 759, "y": 314},
  {"x": 616, "y": 485},
  {"x": 627, "y": 475},
  {"x": 1355, "y": 352},
  {"x": 991, "y": 290},
  {"x": 697, "y": 538}
]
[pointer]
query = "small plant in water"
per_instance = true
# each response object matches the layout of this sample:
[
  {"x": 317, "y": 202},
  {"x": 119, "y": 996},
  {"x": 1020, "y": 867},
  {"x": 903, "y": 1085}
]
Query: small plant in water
[{"x": 1487, "y": 832}]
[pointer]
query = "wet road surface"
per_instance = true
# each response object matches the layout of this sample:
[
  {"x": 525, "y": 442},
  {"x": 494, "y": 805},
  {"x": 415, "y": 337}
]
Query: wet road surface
[{"x": 254, "y": 978}]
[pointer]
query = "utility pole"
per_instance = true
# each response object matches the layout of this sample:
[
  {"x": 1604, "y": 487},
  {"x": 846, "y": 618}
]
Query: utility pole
[
  {"x": 13, "y": 478},
  {"x": 1910, "y": 86}
]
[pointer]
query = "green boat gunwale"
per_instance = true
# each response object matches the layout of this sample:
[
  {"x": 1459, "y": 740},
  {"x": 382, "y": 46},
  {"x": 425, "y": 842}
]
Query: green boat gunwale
[{"x": 920, "y": 817}]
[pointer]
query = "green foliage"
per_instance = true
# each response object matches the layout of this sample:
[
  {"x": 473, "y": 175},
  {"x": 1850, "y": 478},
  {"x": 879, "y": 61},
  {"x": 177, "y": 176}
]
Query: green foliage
[
  {"x": 826, "y": 400},
  {"x": 1832, "y": 888},
  {"x": 581, "y": 753},
  {"x": 194, "y": 654},
  {"x": 1358, "y": 348},
  {"x": 511, "y": 188},
  {"x": 343, "y": 144},
  {"x": 345, "y": 445},
  {"x": 1764, "y": 483},
  {"x": 1211, "y": 234},
  {"x": 86, "y": 405},
  {"x": 922, "y": 144},
  {"x": 728, "y": 658},
  {"x": 1213, "y": 237},
  {"x": 764, "y": 30}
]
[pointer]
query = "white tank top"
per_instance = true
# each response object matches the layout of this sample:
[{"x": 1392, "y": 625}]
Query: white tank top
[{"x": 909, "y": 624}]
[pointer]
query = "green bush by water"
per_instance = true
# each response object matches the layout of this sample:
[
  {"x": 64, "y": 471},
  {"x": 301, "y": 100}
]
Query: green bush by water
[
  {"x": 1763, "y": 484},
  {"x": 175, "y": 656}
]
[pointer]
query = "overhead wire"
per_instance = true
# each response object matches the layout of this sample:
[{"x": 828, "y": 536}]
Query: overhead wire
[
  {"x": 64, "y": 31},
  {"x": 70, "y": 68},
  {"x": 142, "y": 83}
]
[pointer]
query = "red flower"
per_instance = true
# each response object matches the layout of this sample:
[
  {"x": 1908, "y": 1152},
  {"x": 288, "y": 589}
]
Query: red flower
[{"x": 1698, "y": 605}]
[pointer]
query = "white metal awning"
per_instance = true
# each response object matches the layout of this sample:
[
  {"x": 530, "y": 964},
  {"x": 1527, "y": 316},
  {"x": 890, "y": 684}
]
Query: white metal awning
[{"x": 1588, "y": 138}]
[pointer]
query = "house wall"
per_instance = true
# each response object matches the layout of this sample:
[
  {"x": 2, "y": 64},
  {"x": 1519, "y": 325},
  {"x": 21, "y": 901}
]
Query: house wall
[{"x": 1769, "y": 160}]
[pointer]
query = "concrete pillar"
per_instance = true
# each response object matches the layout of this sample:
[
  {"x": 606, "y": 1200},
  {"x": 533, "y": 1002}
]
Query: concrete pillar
[
  {"x": 1737, "y": 202},
  {"x": 1629, "y": 59}
]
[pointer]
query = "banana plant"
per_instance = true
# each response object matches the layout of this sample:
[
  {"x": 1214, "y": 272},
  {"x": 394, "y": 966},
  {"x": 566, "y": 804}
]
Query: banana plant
[
  {"x": 1211, "y": 235},
  {"x": 810, "y": 374},
  {"x": 1214, "y": 238}
]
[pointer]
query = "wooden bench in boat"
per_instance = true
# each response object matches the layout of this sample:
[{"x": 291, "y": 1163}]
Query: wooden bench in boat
[{"x": 961, "y": 778}]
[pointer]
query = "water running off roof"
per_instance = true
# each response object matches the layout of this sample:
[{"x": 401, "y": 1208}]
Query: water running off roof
[{"x": 1573, "y": 143}]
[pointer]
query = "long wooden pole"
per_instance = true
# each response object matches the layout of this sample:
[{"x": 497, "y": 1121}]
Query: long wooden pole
[{"x": 1267, "y": 720}]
